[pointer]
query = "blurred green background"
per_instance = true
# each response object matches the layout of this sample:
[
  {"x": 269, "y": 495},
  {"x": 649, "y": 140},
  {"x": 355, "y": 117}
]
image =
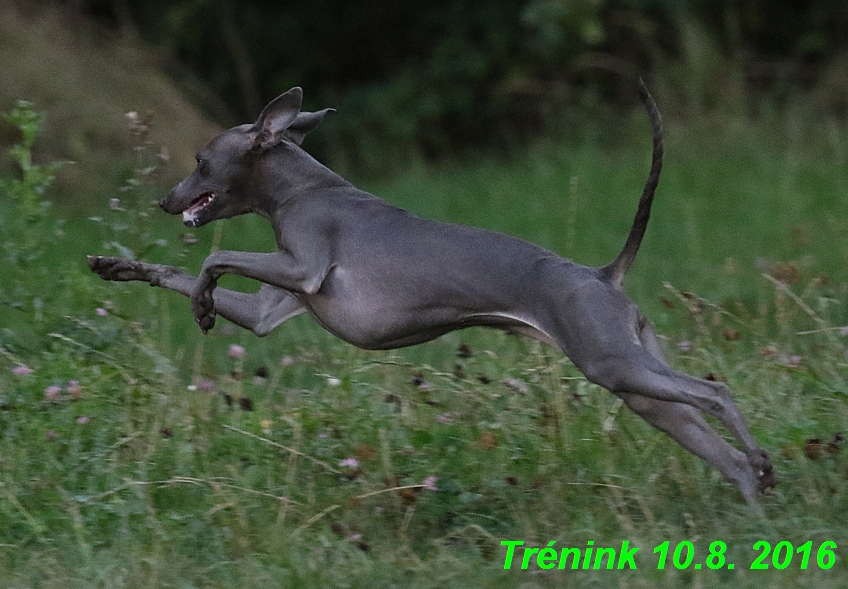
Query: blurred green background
[{"x": 414, "y": 81}]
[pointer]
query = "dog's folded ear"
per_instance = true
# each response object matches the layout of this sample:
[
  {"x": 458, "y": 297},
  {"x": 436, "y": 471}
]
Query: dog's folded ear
[
  {"x": 304, "y": 123},
  {"x": 276, "y": 118},
  {"x": 282, "y": 119}
]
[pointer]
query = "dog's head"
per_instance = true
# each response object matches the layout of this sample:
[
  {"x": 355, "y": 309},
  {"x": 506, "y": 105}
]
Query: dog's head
[{"x": 219, "y": 187}]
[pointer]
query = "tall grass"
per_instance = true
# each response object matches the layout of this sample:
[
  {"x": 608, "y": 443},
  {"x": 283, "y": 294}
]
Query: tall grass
[{"x": 138, "y": 453}]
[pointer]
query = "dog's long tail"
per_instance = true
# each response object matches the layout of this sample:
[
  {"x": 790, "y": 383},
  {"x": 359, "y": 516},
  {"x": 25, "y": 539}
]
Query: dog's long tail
[{"x": 616, "y": 269}]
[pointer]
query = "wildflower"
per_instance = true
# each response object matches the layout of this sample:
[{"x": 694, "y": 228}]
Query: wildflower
[
  {"x": 349, "y": 462},
  {"x": 792, "y": 360},
  {"x": 265, "y": 424},
  {"x": 429, "y": 483},
  {"x": 74, "y": 389},
  {"x": 83, "y": 419},
  {"x": 516, "y": 384},
  {"x": 101, "y": 312},
  {"x": 286, "y": 361},
  {"x": 206, "y": 385},
  {"x": 22, "y": 370},
  {"x": 487, "y": 441},
  {"x": 52, "y": 392},
  {"x": 236, "y": 351}
]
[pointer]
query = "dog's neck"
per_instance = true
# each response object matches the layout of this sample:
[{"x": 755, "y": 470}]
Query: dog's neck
[{"x": 285, "y": 172}]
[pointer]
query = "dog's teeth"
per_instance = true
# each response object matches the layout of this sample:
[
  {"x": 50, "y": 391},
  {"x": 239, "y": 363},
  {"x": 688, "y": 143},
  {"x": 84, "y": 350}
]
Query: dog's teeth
[{"x": 190, "y": 214}]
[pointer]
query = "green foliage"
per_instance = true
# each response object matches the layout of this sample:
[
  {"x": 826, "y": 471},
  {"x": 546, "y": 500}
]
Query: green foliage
[
  {"x": 559, "y": 25},
  {"x": 27, "y": 224},
  {"x": 126, "y": 227},
  {"x": 437, "y": 79},
  {"x": 26, "y": 231}
]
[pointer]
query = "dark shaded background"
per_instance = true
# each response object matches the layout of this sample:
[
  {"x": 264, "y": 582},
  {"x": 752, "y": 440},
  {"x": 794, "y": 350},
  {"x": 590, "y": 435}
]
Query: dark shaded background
[{"x": 447, "y": 77}]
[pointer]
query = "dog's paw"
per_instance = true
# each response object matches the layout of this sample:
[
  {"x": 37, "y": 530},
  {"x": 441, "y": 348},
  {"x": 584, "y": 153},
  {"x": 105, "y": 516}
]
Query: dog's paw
[
  {"x": 119, "y": 269},
  {"x": 203, "y": 308}
]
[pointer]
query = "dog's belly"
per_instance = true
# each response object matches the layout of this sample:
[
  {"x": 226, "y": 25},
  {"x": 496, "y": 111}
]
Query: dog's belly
[
  {"x": 372, "y": 326},
  {"x": 395, "y": 309},
  {"x": 386, "y": 319},
  {"x": 385, "y": 331}
]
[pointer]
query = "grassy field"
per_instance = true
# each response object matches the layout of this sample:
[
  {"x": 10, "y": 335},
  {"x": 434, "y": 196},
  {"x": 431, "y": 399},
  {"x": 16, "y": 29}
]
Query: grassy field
[{"x": 138, "y": 453}]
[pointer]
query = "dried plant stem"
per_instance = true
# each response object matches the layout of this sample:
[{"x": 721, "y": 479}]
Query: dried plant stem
[{"x": 286, "y": 448}]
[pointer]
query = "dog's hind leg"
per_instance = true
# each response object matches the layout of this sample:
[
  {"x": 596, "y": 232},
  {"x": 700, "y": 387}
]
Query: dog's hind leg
[
  {"x": 613, "y": 345},
  {"x": 661, "y": 389},
  {"x": 684, "y": 424}
]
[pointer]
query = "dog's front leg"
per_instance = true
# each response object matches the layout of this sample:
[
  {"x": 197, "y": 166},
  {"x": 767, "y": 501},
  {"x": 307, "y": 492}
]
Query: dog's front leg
[
  {"x": 281, "y": 269},
  {"x": 259, "y": 312}
]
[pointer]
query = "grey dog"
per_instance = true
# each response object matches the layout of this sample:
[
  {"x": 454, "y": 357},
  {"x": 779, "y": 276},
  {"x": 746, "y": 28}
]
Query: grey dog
[{"x": 379, "y": 277}]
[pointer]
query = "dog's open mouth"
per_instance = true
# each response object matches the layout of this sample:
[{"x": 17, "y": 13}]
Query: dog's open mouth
[{"x": 200, "y": 203}]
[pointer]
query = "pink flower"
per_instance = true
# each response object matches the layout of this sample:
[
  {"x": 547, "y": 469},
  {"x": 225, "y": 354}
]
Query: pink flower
[
  {"x": 792, "y": 360},
  {"x": 52, "y": 393},
  {"x": 236, "y": 351},
  {"x": 349, "y": 462},
  {"x": 74, "y": 389},
  {"x": 429, "y": 483},
  {"x": 101, "y": 312},
  {"x": 83, "y": 419},
  {"x": 22, "y": 370}
]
